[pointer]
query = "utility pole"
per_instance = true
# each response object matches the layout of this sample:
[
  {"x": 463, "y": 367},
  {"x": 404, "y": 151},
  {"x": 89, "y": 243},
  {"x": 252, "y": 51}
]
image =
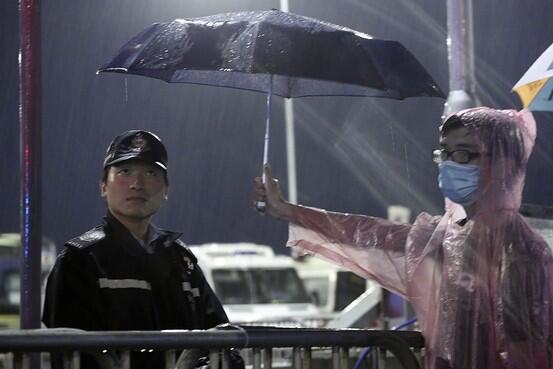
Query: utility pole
[
  {"x": 460, "y": 48},
  {"x": 290, "y": 136},
  {"x": 30, "y": 151}
]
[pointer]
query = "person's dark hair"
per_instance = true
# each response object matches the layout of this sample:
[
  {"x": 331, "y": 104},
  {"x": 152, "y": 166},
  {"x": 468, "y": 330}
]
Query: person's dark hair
[
  {"x": 499, "y": 135},
  {"x": 453, "y": 122}
]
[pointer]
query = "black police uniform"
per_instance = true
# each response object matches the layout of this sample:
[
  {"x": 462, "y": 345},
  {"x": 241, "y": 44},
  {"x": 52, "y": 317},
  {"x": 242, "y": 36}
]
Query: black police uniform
[{"x": 105, "y": 280}]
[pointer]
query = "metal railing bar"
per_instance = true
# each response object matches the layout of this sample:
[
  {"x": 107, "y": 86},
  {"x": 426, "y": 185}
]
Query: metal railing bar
[
  {"x": 40, "y": 340},
  {"x": 54, "y": 340}
]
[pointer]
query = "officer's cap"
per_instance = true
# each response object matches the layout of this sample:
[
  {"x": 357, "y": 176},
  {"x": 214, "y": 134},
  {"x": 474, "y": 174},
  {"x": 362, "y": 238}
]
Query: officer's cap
[{"x": 136, "y": 144}]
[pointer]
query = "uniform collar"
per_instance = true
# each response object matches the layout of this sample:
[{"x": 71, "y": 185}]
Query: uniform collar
[{"x": 129, "y": 243}]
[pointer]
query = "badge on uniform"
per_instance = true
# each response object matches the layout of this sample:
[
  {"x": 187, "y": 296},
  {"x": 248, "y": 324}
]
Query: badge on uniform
[
  {"x": 139, "y": 143},
  {"x": 92, "y": 235},
  {"x": 189, "y": 264}
]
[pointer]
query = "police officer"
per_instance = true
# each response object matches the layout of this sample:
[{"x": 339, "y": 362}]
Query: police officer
[{"x": 127, "y": 274}]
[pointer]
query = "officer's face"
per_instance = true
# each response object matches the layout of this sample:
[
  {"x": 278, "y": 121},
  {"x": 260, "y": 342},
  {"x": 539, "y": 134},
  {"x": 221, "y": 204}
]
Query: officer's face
[{"x": 134, "y": 190}]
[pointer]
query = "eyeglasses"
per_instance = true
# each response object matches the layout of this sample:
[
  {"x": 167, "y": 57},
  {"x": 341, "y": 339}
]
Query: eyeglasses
[{"x": 458, "y": 156}]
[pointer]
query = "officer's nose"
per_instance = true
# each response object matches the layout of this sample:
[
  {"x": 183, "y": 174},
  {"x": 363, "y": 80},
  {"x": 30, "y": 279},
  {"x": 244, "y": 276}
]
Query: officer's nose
[{"x": 137, "y": 182}]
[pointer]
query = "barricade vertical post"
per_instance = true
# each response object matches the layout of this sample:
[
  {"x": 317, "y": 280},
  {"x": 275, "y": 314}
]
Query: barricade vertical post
[
  {"x": 226, "y": 359},
  {"x": 344, "y": 356},
  {"x": 75, "y": 362},
  {"x": 267, "y": 358},
  {"x": 307, "y": 358},
  {"x": 420, "y": 356},
  {"x": 381, "y": 358},
  {"x": 297, "y": 358},
  {"x": 170, "y": 359},
  {"x": 214, "y": 359},
  {"x": 335, "y": 358},
  {"x": 373, "y": 356},
  {"x": 8, "y": 360},
  {"x": 256, "y": 358},
  {"x": 66, "y": 360},
  {"x": 125, "y": 359},
  {"x": 18, "y": 359}
]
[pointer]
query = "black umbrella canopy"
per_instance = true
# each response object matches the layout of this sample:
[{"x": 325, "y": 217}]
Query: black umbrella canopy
[{"x": 293, "y": 55}]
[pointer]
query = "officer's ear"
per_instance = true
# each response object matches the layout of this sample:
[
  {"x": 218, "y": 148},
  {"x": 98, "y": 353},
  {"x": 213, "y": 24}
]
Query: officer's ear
[
  {"x": 102, "y": 185},
  {"x": 103, "y": 181},
  {"x": 166, "y": 194}
]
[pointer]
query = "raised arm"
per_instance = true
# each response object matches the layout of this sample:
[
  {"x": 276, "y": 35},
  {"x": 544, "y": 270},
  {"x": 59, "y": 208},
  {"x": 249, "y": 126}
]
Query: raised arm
[{"x": 369, "y": 246}]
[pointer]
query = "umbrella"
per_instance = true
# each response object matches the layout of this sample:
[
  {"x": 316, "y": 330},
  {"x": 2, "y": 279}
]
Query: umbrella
[
  {"x": 277, "y": 53},
  {"x": 535, "y": 88}
]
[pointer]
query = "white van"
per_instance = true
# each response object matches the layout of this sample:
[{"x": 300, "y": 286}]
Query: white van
[
  {"x": 344, "y": 298},
  {"x": 10, "y": 275},
  {"x": 256, "y": 286}
]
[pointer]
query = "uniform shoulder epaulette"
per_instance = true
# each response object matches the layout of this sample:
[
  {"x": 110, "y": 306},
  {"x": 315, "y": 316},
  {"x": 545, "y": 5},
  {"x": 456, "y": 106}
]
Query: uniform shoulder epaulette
[
  {"x": 180, "y": 243},
  {"x": 88, "y": 238}
]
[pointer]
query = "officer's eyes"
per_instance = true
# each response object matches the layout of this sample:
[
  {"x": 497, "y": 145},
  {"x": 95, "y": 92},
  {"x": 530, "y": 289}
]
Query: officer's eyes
[{"x": 128, "y": 171}]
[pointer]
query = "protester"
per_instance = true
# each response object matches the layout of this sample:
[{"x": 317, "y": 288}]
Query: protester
[
  {"x": 127, "y": 274},
  {"x": 479, "y": 278}
]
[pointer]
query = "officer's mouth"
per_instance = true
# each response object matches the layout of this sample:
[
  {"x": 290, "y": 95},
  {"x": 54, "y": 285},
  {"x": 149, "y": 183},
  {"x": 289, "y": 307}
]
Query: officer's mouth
[{"x": 136, "y": 199}]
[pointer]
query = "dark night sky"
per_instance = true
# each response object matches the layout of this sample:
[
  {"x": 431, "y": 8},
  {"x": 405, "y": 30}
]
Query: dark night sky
[{"x": 354, "y": 154}]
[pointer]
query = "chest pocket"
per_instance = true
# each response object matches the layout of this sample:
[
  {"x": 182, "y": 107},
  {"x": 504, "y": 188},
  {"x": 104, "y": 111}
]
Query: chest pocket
[{"x": 128, "y": 303}]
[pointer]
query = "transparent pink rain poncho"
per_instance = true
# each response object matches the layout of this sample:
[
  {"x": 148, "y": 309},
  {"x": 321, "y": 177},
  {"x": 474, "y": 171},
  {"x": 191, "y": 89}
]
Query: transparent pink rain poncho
[{"x": 482, "y": 291}]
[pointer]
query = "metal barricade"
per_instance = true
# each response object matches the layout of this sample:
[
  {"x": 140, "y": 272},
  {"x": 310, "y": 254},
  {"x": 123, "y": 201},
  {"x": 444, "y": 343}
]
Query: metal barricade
[{"x": 260, "y": 341}]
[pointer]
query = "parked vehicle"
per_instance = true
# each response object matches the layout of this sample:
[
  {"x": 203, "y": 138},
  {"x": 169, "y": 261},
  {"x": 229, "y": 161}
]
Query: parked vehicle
[
  {"x": 334, "y": 288},
  {"x": 10, "y": 265},
  {"x": 256, "y": 286},
  {"x": 540, "y": 219}
]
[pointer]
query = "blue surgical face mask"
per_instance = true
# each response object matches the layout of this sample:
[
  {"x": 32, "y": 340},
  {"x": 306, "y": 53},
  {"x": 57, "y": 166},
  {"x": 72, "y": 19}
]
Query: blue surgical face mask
[{"x": 459, "y": 182}]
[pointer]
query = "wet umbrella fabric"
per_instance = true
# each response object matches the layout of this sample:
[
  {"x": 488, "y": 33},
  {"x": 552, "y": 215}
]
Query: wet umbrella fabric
[
  {"x": 535, "y": 88},
  {"x": 274, "y": 52},
  {"x": 248, "y": 50}
]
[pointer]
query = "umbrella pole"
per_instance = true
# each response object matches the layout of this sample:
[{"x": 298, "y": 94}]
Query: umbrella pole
[
  {"x": 260, "y": 205},
  {"x": 267, "y": 125}
]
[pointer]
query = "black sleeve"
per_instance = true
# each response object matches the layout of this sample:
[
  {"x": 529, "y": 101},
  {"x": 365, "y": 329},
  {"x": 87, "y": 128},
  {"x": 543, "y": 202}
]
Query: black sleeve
[
  {"x": 214, "y": 312},
  {"x": 72, "y": 293}
]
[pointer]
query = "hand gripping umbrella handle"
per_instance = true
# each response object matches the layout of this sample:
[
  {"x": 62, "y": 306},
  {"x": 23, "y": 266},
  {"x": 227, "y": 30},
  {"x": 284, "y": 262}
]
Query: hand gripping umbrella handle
[{"x": 261, "y": 205}]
